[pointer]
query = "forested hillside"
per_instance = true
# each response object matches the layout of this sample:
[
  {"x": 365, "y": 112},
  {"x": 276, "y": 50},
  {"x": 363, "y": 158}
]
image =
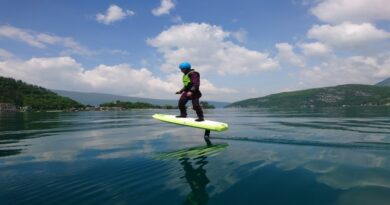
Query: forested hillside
[{"x": 22, "y": 94}]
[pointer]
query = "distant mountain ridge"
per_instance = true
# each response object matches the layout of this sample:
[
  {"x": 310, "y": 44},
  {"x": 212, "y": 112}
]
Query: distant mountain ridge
[
  {"x": 100, "y": 98},
  {"x": 385, "y": 82},
  {"x": 342, "y": 95}
]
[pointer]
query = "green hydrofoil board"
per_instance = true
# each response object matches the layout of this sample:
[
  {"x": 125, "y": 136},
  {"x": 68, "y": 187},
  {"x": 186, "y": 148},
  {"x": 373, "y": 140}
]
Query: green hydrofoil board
[{"x": 206, "y": 125}]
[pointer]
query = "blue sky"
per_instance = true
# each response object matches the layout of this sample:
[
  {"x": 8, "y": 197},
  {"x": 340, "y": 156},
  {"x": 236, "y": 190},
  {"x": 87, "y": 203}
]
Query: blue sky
[{"x": 243, "y": 49}]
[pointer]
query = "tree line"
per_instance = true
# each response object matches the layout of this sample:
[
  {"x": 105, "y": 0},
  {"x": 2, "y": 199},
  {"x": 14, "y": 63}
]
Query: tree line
[{"x": 22, "y": 94}]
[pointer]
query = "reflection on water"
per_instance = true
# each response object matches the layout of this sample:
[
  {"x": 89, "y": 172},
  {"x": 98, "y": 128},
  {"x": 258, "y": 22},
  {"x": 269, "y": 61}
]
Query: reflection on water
[
  {"x": 193, "y": 161},
  {"x": 197, "y": 179},
  {"x": 197, "y": 151},
  {"x": 328, "y": 156}
]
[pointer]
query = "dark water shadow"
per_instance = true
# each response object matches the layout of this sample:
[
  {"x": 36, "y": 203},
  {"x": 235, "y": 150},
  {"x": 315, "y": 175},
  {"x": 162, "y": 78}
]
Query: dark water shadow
[
  {"x": 195, "y": 175},
  {"x": 193, "y": 161},
  {"x": 272, "y": 185},
  {"x": 9, "y": 152}
]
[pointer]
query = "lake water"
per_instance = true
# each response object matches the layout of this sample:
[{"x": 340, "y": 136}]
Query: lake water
[{"x": 330, "y": 156}]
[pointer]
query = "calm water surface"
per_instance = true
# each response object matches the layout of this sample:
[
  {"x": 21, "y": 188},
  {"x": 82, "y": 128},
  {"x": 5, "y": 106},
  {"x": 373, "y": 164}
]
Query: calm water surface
[{"x": 266, "y": 157}]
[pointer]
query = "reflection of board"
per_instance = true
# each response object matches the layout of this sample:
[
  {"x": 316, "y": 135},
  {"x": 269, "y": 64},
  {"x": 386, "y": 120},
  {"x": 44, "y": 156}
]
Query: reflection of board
[
  {"x": 193, "y": 152},
  {"x": 207, "y": 124}
]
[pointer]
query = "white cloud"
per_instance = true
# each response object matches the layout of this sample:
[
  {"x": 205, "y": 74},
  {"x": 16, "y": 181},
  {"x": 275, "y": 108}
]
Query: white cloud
[
  {"x": 352, "y": 49},
  {"x": 4, "y": 54},
  {"x": 50, "y": 72},
  {"x": 287, "y": 55},
  {"x": 240, "y": 35},
  {"x": 315, "y": 49},
  {"x": 349, "y": 36},
  {"x": 337, "y": 11},
  {"x": 21, "y": 35},
  {"x": 217, "y": 92},
  {"x": 66, "y": 73},
  {"x": 354, "y": 69},
  {"x": 207, "y": 47},
  {"x": 165, "y": 7},
  {"x": 114, "y": 13},
  {"x": 42, "y": 40},
  {"x": 123, "y": 79}
]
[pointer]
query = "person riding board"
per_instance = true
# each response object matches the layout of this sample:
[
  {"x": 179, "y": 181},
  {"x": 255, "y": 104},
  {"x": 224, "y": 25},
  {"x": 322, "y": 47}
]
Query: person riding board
[{"x": 190, "y": 91}]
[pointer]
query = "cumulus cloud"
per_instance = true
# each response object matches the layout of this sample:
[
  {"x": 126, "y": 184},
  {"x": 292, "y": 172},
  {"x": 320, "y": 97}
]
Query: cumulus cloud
[
  {"x": 349, "y": 36},
  {"x": 352, "y": 49},
  {"x": 127, "y": 80},
  {"x": 354, "y": 69},
  {"x": 349, "y": 48},
  {"x": 165, "y": 7},
  {"x": 287, "y": 56},
  {"x": 315, "y": 49},
  {"x": 66, "y": 73},
  {"x": 358, "y": 11},
  {"x": 114, "y": 13},
  {"x": 42, "y": 40},
  {"x": 208, "y": 47},
  {"x": 50, "y": 72}
]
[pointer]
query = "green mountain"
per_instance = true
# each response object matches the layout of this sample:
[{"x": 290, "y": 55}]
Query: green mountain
[
  {"x": 21, "y": 94},
  {"x": 385, "y": 82},
  {"x": 342, "y": 95}
]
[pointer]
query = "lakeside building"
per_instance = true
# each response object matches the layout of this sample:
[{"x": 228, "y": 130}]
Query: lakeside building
[{"x": 7, "y": 107}]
